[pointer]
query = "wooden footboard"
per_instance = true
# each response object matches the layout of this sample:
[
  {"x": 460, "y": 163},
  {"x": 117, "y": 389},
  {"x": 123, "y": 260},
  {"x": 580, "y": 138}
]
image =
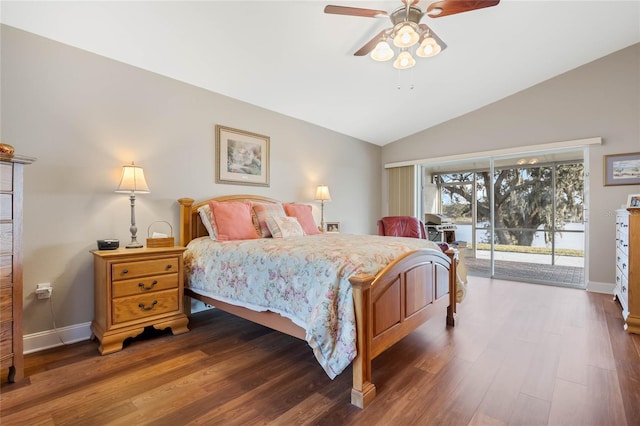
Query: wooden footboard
[
  {"x": 392, "y": 304},
  {"x": 388, "y": 306}
]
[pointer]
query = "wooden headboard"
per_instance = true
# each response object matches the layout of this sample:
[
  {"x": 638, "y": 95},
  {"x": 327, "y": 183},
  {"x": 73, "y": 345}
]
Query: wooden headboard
[{"x": 190, "y": 223}]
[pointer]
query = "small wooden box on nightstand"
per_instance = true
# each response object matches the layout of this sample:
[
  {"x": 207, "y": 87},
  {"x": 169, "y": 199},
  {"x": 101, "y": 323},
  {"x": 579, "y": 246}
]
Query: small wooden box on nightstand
[{"x": 134, "y": 289}]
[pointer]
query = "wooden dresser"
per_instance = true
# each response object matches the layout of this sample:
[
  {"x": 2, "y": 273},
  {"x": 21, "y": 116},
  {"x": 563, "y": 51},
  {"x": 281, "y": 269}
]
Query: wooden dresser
[
  {"x": 628, "y": 259},
  {"x": 11, "y": 187},
  {"x": 622, "y": 260},
  {"x": 134, "y": 289}
]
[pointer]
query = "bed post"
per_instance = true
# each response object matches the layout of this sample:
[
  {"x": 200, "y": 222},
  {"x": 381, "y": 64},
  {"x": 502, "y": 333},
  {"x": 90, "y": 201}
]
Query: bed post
[
  {"x": 453, "y": 286},
  {"x": 363, "y": 391},
  {"x": 185, "y": 220}
]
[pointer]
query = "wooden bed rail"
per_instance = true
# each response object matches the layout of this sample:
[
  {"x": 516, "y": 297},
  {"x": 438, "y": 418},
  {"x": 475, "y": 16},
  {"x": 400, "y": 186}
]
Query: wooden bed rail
[{"x": 389, "y": 306}]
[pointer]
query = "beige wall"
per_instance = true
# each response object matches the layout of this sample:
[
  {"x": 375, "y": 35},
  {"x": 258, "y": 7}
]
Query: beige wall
[
  {"x": 600, "y": 99},
  {"x": 84, "y": 116}
]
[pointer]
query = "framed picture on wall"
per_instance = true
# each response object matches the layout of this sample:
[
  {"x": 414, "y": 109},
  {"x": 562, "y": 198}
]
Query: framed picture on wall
[
  {"x": 242, "y": 158},
  {"x": 633, "y": 202},
  {"x": 332, "y": 227},
  {"x": 622, "y": 169}
]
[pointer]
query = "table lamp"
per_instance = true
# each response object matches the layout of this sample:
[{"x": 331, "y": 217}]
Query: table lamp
[{"x": 132, "y": 181}]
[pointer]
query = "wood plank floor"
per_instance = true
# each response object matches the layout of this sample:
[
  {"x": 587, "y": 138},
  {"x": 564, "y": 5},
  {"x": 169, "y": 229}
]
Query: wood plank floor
[{"x": 519, "y": 354}]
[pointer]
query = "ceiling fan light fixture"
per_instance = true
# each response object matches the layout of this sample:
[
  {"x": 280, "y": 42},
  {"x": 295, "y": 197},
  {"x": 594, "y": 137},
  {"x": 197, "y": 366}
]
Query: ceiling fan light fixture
[
  {"x": 428, "y": 48},
  {"x": 406, "y": 36},
  {"x": 382, "y": 51},
  {"x": 404, "y": 61}
]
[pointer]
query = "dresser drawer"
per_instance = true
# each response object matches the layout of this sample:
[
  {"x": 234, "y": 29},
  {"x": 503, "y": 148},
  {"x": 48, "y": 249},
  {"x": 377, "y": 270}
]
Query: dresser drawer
[
  {"x": 6, "y": 177},
  {"x": 6, "y": 206},
  {"x": 131, "y": 308},
  {"x": 123, "y": 271},
  {"x": 6, "y": 305},
  {"x": 622, "y": 261},
  {"x": 6, "y": 237},
  {"x": 6, "y": 338},
  {"x": 144, "y": 285},
  {"x": 6, "y": 270}
]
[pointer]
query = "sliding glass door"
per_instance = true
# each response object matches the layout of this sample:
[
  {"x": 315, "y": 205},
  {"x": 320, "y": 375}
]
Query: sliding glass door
[{"x": 521, "y": 218}]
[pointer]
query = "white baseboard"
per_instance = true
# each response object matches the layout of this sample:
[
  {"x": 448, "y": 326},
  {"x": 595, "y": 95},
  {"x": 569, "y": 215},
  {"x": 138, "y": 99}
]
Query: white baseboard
[
  {"x": 51, "y": 338},
  {"x": 596, "y": 287}
]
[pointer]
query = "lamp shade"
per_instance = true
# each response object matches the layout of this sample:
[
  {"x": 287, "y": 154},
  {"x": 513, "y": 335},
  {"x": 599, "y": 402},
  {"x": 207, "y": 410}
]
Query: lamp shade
[
  {"x": 132, "y": 180},
  {"x": 322, "y": 193}
]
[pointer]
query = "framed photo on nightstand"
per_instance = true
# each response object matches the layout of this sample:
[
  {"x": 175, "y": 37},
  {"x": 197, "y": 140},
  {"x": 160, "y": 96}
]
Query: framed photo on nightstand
[{"x": 332, "y": 227}]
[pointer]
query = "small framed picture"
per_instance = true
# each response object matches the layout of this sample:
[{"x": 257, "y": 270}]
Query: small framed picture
[
  {"x": 633, "y": 202},
  {"x": 622, "y": 169},
  {"x": 332, "y": 227}
]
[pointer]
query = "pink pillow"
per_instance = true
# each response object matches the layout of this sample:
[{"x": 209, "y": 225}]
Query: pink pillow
[
  {"x": 303, "y": 213},
  {"x": 233, "y": 220}
]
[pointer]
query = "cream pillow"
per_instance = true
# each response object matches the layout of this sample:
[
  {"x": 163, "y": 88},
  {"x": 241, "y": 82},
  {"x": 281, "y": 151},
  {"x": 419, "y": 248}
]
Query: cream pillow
[
  {"x": 207, "y": 221},
  {"x": 284, "y": 227}
]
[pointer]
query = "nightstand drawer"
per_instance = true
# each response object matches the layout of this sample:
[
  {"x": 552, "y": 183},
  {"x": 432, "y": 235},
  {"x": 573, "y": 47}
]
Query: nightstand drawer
[
  {"x": 144, "y": 285},
  {"x": 136, "y": 307},
  {"x": 123, "y": 271}
]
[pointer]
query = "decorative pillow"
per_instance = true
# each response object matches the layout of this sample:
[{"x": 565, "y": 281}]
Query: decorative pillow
[
  {"x": 233, "y": 220},
  {"x": 303, "y": 213},
  {"x": 207, "y": 221},
  {"x": 263, "y": 211},
  {"x": 284, "y": 227}
]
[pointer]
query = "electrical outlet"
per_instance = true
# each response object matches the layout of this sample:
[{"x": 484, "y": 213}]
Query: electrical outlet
[{"x": 44, "y": 290}]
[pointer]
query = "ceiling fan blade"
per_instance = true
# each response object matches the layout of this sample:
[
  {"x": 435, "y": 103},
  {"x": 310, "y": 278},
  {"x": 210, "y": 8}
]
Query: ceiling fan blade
[
  {"x": 371, "y": 44},
  {"x": 451, "y": 7},
  {"x": 426, "y": 32},
  {"x": 355, "y": 11}
]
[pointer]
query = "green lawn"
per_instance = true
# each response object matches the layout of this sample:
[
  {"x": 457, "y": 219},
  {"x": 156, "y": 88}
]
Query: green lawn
[{"x": 532, "y": 250}]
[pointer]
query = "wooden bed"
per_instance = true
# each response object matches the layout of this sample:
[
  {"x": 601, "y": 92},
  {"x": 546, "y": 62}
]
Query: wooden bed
[{"x": 388, "y": 306}]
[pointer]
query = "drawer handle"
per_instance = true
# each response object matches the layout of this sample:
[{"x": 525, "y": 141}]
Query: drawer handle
[
  {"x": 169, "y": 266},
  {"x": 125, "y": 271},
  {"x": 144, "y": 308},
  {"x": 142, "y": 287}
]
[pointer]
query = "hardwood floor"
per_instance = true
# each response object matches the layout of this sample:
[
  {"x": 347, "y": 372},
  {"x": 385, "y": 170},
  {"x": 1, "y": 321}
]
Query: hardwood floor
[{"x": 519, "y": 354}]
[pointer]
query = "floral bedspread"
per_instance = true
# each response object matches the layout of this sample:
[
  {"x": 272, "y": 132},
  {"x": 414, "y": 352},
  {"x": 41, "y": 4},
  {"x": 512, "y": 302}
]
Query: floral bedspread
[{"x": 305, "y": 279}]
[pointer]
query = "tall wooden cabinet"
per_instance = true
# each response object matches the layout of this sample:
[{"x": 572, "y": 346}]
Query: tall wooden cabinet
[
  {"x": 11, "y": 186},
  {"x": 628, "y": 266}
]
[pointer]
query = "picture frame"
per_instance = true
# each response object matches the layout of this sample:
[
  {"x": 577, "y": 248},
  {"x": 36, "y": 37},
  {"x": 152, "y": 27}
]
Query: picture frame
[
  {"x": 633, "y": 202},
  {"x": 332, "y": 227},
  {"x": 622, "y": 169},
  {"x": 242, "y": 158}
]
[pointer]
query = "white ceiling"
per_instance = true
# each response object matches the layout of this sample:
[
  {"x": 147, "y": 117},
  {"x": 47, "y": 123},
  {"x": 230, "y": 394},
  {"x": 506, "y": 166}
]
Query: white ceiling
[{"x": 290, "y": 57}]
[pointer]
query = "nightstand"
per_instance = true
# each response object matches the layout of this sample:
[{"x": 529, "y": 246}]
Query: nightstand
[{"x": 134, "y": 289}]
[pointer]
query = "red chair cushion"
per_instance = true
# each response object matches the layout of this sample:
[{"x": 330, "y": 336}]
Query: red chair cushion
[{"x": 401, "y": 226}]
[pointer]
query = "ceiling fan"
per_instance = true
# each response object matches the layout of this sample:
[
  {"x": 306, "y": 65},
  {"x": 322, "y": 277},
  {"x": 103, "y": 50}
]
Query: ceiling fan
[{"x": 407, "y": 30}]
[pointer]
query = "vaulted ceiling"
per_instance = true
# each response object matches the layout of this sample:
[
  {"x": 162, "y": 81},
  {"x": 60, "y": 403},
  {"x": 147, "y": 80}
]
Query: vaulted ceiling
[{"x": 291, "y": 57}]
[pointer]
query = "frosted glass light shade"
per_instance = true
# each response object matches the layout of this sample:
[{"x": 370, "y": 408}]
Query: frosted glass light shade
[
  {"x": 428, "y": 48},
  {"x": 382, "y": 52},
  {"x": 406, "y": 36},
  {"x": 404, "y": 61}
]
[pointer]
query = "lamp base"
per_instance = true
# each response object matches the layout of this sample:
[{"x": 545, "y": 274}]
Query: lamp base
[{"x": 134, "y": 245}]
